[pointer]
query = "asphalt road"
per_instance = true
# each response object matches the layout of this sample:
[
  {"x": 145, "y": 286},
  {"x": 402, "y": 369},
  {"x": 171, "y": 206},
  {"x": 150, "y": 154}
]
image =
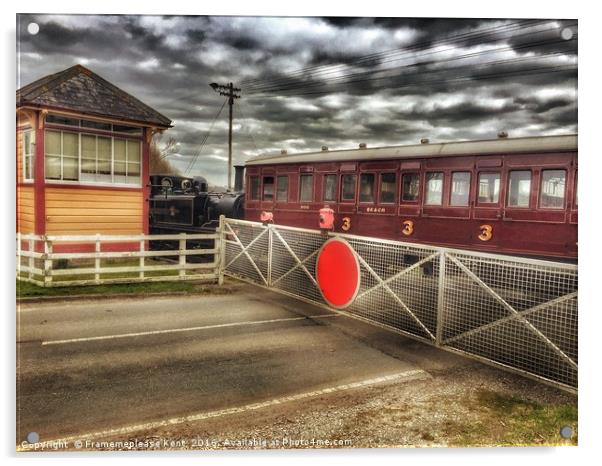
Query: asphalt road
[{"x": 88, "y": 366}]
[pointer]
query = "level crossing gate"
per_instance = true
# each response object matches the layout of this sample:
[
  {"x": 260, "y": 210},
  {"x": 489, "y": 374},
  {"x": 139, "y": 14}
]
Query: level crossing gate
[{"x": 517, "y": 313}]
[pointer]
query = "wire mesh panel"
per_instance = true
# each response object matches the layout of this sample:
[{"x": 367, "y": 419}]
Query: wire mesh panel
[
  {"x": 246, "y": 251},
  {"x": 398, "y": 286},
  {"x": 516, "y": 312},
  {"x": 294, "y": 255}
]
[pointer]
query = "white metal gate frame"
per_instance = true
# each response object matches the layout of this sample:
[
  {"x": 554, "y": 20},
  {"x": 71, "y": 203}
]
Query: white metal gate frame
[{"x": 522, "y": 346}]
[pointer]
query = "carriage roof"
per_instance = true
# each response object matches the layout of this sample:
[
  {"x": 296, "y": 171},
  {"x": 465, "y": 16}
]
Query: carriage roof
[{"x": 498, "y": 146}]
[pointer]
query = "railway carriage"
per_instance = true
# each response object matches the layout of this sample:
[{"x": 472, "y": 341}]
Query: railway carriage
[{"x": 506, "y": 195}]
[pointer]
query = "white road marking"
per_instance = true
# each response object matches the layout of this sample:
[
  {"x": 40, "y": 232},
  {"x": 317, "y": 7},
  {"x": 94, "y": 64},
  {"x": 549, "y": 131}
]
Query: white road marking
[
  {"x": 107, "y": 434},
  {"x": 187, "y": 329}
]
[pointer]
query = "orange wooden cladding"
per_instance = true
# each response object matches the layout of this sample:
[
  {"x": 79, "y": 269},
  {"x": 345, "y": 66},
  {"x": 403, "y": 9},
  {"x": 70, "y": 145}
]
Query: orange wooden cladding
[
  {"x": 85, "y": 211},
  {"x": 25, "y": 209},
  {"x": 19, "y": 157}
]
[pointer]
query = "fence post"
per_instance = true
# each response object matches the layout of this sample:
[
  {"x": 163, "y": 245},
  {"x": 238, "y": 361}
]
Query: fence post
[
  {"x": 221, "y": 247},
  {"x": 440, "y": 298},
  {"x": 18, "y": 254},
  {"x": 47, "y": 262},
  {"x": 97, "y": 259},
  {"x": 182, "y": 249},
  {"x": 270, "y": 244},
  {"x": 141, "y": 262},
  {"x": 30, "y": 262}
]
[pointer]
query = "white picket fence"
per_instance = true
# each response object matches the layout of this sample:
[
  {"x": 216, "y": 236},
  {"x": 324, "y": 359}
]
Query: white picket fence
[{"x": 38, "y": 263}]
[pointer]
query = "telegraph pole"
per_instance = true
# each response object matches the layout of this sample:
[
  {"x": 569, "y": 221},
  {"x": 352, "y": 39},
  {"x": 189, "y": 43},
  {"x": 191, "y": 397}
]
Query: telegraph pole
[{"x": 229, "y": 91}]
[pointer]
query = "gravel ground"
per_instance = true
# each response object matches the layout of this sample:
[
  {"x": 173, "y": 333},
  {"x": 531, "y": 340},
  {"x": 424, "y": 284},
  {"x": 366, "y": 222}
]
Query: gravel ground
[{"x": 444, "y": 409}]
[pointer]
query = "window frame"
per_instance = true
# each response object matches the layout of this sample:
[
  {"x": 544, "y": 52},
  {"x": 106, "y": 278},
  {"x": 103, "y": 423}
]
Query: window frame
[
  {"x": 479, "y": 203},
  {"x": 251, "y": 196},
  {"x": 380, "y": 187},
  {"x": 263, "y": 185},
  {"x": 451, "y": 188},
  {"x": 374, "y": 186},
  {"x": 508, "y": 191},
  {"x": 136, "y": 179},
  {"x": 343, "y": 200},
  {"x": 139, "y": 130},
  {"x": 418, "y": 175},
  {"x": 25, "y": 155},
  {"x": 112, "y": 160},
  {"x": 313, "y": 193},
  {"x": 426, "y": 183},
  {"x": 278, "y": 177},
  {"x": 324, "y": 177},
  {"x": 540, "y": 190}
]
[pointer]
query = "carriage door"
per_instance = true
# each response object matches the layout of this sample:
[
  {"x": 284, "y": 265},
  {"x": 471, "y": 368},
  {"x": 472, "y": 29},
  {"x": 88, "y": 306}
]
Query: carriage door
[{"x": 488, "y": 210}]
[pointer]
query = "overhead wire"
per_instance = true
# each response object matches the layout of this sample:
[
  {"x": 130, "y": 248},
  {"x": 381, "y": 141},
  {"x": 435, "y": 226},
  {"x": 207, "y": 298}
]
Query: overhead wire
[
  {"x": 422, "y": 74},
  {"x": 455, "y": 38},
  {"x": 240, "y": 107},
  {"x": 196, "y": 156},
  {"x": 345, "y": 79}
]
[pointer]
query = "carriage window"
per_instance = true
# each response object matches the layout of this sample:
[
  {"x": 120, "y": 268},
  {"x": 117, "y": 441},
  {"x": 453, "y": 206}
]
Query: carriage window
[
  {"x": 307, "y": 188},
  {"x": 268, "y": 188},
  {"x": 519, "y": 188},
  {"x": 552, "y": 189},
  {"x": 489, "y": 188},
  {"x": 348, "y": 190},
  {"x": 388, "y": 186},
  {"x": 434, "y": 188},
  {"x": 410, "y": 186},
  {"x": 367, "y": 187},
  {"x": 460, "y": 188},
  {"x": 330, "y": 188},
  {"x": 254, "y": 188},
  {"x": 282, "y": 189}
]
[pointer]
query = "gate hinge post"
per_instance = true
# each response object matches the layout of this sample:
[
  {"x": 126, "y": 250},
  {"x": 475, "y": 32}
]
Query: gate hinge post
[
  {"x": 440, "y": 299},
  {"x": 221, "y": 247}
]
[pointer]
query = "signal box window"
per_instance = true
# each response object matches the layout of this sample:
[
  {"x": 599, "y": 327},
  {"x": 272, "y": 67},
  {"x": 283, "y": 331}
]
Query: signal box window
[
  {"x": 460, "y": 189},
  {"x": 410, "y": 187},
  {"x": 282, "y": 189},
  {"x": 489, "y": 188},
  {"x": 367, "y": 187},
  {"x": 307, "y": 188},
  {"x": 552, "y": 189},
  {"x": 348, "y": 189},
  {"x": 28, "y": 150},
  {"x": 519, "y": 188},
  {"x": 268, "y": 188},
  {"x": 254, "y": 188},
  {"x": 61, "y": 155},
  {"x": 388, "y": 186},
  {"x": 434, "y": 188}
]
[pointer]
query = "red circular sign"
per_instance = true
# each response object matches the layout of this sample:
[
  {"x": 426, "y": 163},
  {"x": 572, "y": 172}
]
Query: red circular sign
[{"x": 338, "y": 273}]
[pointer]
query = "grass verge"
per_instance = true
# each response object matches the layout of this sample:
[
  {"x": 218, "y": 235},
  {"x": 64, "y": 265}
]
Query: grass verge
[
  {"x": 507, "y": 420},
  {"x": 29, "y": 290}
]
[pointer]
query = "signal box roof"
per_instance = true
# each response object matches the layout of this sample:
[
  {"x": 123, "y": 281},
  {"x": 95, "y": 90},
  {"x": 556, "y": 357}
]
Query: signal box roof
[
  {"x": 81, "y": 90},
  {"x": 538, "y": 144}
]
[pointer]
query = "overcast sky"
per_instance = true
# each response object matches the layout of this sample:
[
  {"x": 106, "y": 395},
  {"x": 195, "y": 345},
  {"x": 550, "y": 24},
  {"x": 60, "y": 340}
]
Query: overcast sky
[{"x": 309, "y": 82}]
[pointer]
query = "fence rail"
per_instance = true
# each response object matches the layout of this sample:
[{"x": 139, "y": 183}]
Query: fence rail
[
  {"x": 517, "y": 313},
  {"x": 39, "y": 263}
]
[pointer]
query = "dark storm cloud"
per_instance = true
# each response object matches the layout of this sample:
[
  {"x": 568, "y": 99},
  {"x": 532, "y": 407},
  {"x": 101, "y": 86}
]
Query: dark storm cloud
[{"x": 351, "y": 88}]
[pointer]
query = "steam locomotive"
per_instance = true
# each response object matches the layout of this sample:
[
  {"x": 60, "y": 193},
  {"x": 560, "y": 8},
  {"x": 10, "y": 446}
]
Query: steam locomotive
[{"x": 181, "y": 204}]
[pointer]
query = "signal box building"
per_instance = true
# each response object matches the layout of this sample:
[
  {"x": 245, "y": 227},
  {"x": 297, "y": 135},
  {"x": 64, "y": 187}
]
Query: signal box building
[{"x": 83, "y": 156}]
